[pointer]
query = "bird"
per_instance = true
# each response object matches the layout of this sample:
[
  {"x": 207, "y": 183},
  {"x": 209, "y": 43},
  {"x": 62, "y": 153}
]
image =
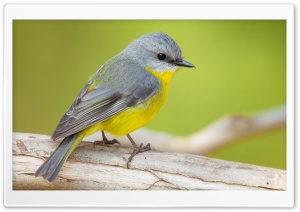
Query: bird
[{"x": 123, "y": 95}]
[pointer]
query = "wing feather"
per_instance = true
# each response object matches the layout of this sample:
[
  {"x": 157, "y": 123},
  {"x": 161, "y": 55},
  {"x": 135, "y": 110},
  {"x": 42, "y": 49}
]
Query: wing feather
[{"x": 129, "y": 87}]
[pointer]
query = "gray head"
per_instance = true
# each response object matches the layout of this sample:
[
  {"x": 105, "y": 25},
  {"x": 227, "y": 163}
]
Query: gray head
[{"x": 157, "y": 51}]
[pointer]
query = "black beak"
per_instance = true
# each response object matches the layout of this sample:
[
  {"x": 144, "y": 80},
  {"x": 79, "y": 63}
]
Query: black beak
[{"x": 183, "y": 63}]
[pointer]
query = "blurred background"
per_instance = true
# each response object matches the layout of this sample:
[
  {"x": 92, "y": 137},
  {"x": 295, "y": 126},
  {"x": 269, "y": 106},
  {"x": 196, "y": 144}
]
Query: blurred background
[{"x": 240, "y": 69}]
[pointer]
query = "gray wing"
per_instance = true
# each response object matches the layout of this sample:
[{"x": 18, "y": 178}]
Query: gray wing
[{"x": 109, "y": 97}]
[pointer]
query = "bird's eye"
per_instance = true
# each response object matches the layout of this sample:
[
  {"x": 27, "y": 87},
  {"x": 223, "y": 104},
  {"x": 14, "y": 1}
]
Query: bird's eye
[{"x": 161, "y": 56}]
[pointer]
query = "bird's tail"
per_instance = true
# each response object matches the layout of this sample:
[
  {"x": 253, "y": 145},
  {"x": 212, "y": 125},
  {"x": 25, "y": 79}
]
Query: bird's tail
[{"x": 51, "y": 167}]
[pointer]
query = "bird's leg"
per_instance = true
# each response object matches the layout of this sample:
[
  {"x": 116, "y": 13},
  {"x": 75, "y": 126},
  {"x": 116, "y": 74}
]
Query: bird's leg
[
  {"x": 105, "y": 141},
  {"x": 136, "y": 149}
]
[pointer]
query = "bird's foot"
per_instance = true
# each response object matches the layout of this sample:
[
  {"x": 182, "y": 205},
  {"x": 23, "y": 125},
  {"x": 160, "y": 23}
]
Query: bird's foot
[
  {"x": 106, "y": 142},
  {"x": 137, "y": 150}
]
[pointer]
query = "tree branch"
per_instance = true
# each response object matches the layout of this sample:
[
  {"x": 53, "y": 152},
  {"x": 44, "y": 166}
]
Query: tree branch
[
  {"x": 104, "y": 168},
  {"x": 220, "y": 133}
]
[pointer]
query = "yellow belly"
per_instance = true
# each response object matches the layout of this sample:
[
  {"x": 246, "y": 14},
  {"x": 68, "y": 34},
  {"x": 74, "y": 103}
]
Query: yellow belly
[{"x": 137, "y": 116}]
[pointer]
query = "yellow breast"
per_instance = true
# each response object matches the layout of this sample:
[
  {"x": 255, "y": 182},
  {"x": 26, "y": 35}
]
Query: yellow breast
[{"x": 135, "y": 117}]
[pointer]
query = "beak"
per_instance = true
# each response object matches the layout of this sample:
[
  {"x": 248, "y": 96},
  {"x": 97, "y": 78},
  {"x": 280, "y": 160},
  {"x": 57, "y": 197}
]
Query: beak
[{"x": 183, "y": 63}]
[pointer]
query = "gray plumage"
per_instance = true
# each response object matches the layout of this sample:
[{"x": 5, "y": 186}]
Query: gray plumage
[
  {"x": 51, "y": 167},
  {"x": 122, "y": 82},
  {"x": 127, "y": 88}
]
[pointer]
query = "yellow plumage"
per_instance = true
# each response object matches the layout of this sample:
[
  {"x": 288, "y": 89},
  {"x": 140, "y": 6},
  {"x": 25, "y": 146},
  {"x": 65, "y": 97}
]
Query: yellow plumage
[
  {"x": 135, "y": 117},
  {"x": 119, "y": 98}
]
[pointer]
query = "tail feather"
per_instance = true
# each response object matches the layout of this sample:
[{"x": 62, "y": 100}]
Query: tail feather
[{"x": 51, "y": 167}]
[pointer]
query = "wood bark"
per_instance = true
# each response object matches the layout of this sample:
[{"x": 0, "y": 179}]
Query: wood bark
[{"x": 104, "y": 168}]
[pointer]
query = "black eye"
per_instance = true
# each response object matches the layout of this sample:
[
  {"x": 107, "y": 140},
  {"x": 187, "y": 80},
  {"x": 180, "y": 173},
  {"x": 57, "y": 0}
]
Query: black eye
[{"x": 161, "y": 56}]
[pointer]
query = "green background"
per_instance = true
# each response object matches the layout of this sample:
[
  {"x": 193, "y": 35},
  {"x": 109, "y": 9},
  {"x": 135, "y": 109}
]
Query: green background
[{"x": 240, "y": 68}]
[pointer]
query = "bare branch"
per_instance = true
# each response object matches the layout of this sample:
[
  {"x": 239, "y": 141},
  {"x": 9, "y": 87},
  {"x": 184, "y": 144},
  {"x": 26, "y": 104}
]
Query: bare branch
[
  {"x": 104, "y": 168},
  {"x": 220, "y": 133}
]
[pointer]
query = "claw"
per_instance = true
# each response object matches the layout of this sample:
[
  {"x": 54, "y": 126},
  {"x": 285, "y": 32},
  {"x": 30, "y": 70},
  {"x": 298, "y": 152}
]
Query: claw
[
  {"x": 137, "y": 150},
  {"x": 106, "y": 142},
  {"x": 115, "y": 141}
]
